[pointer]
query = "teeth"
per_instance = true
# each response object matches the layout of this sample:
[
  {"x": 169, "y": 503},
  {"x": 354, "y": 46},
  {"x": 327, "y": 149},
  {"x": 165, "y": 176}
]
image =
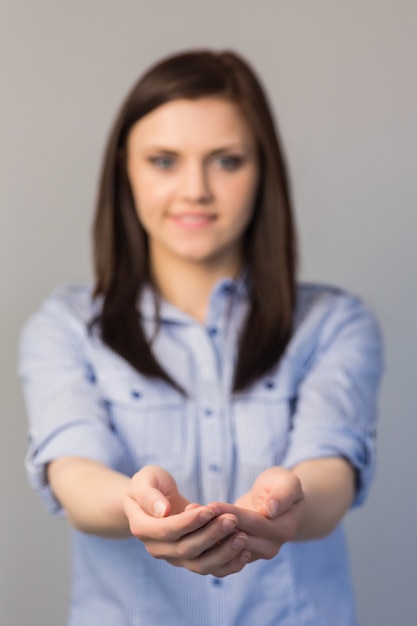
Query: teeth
[{"x": 193, "y": 219}]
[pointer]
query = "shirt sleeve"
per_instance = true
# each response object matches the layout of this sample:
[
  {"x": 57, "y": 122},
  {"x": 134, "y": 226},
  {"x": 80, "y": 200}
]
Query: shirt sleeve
[
  {"x": 336, "y": 406},
  {"x": 66, "y": 415}
]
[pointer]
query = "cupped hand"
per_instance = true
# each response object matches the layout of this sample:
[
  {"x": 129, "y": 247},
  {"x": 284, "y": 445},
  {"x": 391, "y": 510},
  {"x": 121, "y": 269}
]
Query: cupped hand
[
  {"x": 203, "y": 539},
  {"x": 273, "y": 493},
  {"x": 269, "y": 513}
]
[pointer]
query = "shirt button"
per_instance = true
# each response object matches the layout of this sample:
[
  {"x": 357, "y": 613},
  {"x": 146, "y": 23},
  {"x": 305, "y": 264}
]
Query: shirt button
[
  {"x": 217, "y": 582},
  {"x": 91, "y": 377},
  {"x": 227, "y": 289},
  {"x": 208, "y": 412},
  {"x": 212, "y": 331},
  {"x": 135, "y": 394},
  {"x": 214, "y": 468}
]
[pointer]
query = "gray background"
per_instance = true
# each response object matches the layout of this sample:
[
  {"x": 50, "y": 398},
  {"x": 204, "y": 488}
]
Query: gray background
[{"x": 342, "y": 79}]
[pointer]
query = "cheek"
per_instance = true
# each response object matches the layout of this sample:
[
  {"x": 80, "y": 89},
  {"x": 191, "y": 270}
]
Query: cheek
[
  {"x": 150, "y": 195},
  {"x": 242, "y": 197}
]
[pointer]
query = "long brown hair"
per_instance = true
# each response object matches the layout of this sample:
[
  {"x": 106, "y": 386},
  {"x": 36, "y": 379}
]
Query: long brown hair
[{"x": 120, "y": 243}]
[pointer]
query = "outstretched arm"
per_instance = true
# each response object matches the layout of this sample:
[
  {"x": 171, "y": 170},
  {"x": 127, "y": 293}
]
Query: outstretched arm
[
  {"x": 219, "y": 539},
  {"x": 317, "y": 492},
  {"x": 283, "y": 505},
  {"x": 329, "y": 489},
  {"x": 100, "y": 501},
  {"x": 91, "y": 495}
]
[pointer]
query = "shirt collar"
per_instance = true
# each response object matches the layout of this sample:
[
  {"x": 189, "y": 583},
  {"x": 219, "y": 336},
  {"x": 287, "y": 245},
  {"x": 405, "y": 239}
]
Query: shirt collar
[{"x": 150, "y": 302}]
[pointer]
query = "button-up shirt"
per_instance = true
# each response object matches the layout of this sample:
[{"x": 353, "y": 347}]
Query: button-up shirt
[{"x": 318, "y": 401}]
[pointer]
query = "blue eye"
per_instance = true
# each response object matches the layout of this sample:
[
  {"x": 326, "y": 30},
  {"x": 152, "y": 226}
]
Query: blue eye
[
  {"x": 230, "y": 163},
  {"x": 163, "y": 162}
]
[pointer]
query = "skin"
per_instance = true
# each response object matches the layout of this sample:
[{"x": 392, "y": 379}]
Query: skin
[{"x": 193, "y": 170}]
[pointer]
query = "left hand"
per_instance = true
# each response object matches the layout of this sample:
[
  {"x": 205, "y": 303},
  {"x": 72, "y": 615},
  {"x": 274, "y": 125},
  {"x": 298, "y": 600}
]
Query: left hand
[
  {"x": 269, "y": 513},
  {"x": 201, "y": 539}
]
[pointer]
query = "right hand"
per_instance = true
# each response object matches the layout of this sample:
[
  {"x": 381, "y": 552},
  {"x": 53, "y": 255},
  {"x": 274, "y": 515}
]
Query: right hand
[{"x": 199, "y": 538}]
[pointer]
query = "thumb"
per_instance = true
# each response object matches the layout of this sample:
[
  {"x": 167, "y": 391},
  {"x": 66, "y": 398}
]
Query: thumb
[
  {"x": 275, "y": 491},
  {"x": 156, "y": 492},
  {"x": 155, "y": 503}
]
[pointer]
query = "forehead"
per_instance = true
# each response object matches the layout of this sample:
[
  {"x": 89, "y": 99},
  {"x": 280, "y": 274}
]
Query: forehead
[{"x": 202, "y": 122}]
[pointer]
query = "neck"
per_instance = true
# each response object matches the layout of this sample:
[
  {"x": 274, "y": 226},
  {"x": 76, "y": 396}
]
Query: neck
[{"x": 188, "y": 285}]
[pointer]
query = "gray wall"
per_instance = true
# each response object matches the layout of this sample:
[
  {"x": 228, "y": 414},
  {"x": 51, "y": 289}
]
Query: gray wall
[{"x": 342, "y": 77}]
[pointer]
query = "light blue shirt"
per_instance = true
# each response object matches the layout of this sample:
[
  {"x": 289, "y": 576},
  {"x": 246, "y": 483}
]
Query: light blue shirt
[{"x": 319, "y": 401}]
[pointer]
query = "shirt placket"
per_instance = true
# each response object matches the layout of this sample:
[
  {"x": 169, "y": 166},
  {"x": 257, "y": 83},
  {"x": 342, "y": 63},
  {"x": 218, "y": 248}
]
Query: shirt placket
[{"x": 214, "y": 436}]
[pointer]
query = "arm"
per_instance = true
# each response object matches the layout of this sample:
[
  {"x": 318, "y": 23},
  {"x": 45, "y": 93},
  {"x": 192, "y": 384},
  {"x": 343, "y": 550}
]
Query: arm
[
  {"x": 330, "y": 451},
  {"x": 101, "y": 501},
  {"x": 91, "y": 494},
  {"x": 329, "y": 489},
  {"x": 306, "y": 502},
  {"x": 293, "y": 505}
]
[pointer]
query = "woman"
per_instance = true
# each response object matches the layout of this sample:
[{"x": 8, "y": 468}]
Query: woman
[{"x": 203, "y": 422}]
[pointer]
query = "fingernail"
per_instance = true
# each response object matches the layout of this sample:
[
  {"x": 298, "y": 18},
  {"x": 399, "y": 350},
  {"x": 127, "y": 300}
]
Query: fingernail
[
  {"x": 272, "y": 508},
  {"x": 228, "y": 524},
  {"x": 206, "y": 515},
  {"x": 159, "y": 508},
  {"x": 239, "y": 541}
]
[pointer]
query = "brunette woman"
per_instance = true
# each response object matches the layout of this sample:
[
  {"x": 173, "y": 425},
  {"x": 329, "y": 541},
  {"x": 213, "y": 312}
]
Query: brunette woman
[{"x": 202, "y": 421}]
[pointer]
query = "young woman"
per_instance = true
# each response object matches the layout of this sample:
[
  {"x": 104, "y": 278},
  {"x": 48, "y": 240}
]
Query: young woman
[{"x": 203, "y": 422}]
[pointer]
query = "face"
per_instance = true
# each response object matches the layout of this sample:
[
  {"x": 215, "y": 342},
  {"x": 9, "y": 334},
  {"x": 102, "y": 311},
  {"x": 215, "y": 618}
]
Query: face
[{"x": 193, "y": 170}]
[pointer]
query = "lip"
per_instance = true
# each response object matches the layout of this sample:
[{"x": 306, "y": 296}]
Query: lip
[{"x": 192, "y": 220}]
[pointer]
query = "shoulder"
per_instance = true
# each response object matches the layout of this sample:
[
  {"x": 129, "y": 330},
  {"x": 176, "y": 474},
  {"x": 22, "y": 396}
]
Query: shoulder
[
  {"x": 71, "y": 300},
  {"x": 323, "y": 302},
  {"x": 69, "y": 309},
  {"x": 318, "y": 295},
  {"x": 324, "y": 313}
]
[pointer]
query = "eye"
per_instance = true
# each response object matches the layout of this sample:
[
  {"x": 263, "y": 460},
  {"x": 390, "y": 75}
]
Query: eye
[
  {"x": 230, "y": 162},
  {"x": 163, "y": 162}
]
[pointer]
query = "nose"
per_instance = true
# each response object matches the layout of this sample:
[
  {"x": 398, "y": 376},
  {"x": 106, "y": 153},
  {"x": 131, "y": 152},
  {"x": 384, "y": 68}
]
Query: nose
[{"x": 195, "y": 187}]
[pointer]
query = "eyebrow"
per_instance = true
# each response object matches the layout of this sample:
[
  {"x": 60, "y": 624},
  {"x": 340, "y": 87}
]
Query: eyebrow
[{"x": 227, "y": 148}]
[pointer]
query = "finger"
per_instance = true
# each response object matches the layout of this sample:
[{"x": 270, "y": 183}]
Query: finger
[
  {"x": 275, "y": 491},
  {"x": 212, "y": 534},
  {"x": 256, "y": 524},
  {"x": 194, "y": 544},
  {"x": 155, "y": 476},
  {"x": 153, "y": 502},
  {"x": 228, "y": 558},
  {"x": 191, "y": 505},
  {"x": 156, "y": 492},
  {"x": 281, "y": 499},
  {"x": 234, "y": 566},
  {"x": 251, "y": 522},
  {"x": 171, "y": 528},
  {"x": 261, "y": 548}
]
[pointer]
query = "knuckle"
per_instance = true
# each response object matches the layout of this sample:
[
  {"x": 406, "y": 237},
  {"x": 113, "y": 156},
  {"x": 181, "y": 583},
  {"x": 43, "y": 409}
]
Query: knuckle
[
  {"x": 185, "y": 551},
  {"x": 234, "y": 568},
  {"x": 152, "y": 549},
  {"x": 135, "y": 530},
  {"x": 271, "y": 553},
  {"x": 179, "y": 551},
  {"x": 200, "y": 568}
]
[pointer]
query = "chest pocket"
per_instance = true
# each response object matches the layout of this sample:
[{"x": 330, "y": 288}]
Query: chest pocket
[
  {"x": 262, "y": 423},
  {"x": 149, "y": 417}
]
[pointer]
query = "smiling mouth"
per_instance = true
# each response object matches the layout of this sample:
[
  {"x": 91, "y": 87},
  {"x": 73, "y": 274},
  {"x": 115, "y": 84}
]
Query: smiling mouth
[{"x": 193, "y": 219}]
